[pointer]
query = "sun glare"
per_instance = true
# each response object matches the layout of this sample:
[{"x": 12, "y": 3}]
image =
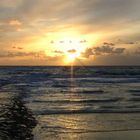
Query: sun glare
[
  {"x": 71, "y": 57},
  {"x": 69, "y": 45}
]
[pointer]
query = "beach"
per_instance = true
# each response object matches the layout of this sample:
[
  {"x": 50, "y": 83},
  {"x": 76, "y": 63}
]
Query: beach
[
  {"x": 60, "y": 103},
  {"x": 89, "y": 127}
]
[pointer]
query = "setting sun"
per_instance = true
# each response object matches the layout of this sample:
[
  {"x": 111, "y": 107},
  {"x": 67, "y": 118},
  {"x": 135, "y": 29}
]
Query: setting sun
[
  {"x": 71, "y": 56},
  {"x": 68, "y": 45},
  {"x": 69, "y": 69}
]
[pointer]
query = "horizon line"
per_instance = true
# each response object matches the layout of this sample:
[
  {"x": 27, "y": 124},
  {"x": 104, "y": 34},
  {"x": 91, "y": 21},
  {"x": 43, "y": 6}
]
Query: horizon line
[{"x": 69, "y": 65}]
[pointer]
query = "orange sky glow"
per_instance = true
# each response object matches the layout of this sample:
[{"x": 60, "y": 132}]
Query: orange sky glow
[{"x": 62, "y": 32}]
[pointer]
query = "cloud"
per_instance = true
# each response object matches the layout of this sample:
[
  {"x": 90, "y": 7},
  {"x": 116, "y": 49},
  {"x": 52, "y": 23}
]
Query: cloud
[
  {"x": 87, "y": 12},
  {"x": 118, "y": 50},
  {"x": 58, "y": 52},
  {"x": 21, "y": 54},
  {"x": 72, "y": 51},
  {"x": 88, "y": 52},
  {"x": 89, "y": 16},
  {"x": 107, "y": 19},
  {"x": 15, "y": 23},
  {"x": 103, "y": 50},
  {"x": 29, "y": 58},
  {"x": 110, "y": 44},
  {"x": 15, "y": 47},
  {"x": 106, "y": 49}
]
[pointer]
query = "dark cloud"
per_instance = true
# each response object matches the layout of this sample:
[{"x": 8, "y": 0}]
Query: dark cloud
[
  {"x": 15, "y": 47},
  {"x": 110, "y": 44},
  {"x": 20, "y": 19},
  {"x": 91, "y": 11},
  {"x": 88, "y": 52},
  {"x": 106, "y": 49},
  {"x": 21, "y": 54},
  {"x": 118, "y": 50},
  {"x": 72, "y": 51},
  {"x": 59, "y": 52},
  {"x": 98, "y": 15},
  {"x": 103, "y": 50},
  {"x": 26, "y": 55},
  {"x": 131, "y": 43}
]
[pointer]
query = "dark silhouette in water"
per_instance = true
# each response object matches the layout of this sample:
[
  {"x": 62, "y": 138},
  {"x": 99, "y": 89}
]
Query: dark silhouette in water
[{"x": 16, "y": 122}]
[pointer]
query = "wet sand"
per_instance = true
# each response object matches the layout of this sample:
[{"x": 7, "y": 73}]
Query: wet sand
[{"x": 88, "y": 127}]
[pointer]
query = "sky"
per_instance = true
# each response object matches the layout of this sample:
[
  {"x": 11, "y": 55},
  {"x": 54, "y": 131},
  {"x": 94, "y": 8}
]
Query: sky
[{"x": 62, "y": 32}]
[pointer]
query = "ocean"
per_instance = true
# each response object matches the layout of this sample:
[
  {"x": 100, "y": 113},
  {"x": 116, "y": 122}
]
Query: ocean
[{"x": 70, "y": 103}]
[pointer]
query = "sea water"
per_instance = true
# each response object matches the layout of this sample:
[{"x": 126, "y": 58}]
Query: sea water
[{"x": 60, "y": 103}]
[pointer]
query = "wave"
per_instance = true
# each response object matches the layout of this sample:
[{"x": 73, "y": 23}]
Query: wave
[
  {"x": 70, "y": 130},
  {"x": 89, "y": 92},
  {"x": 135, "y": 99},
  {"x": 80, "y": 101},
  {"x": 59, "y": 112},
  {"x": 108, "y": 80},
  {"x": 61, "y": 129},
  {"x": 135, "y": 94},
  {"x": 134, "y": 90},
  {"x": 4, "y": 82},
  {"x": 64, "y": 72}
]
